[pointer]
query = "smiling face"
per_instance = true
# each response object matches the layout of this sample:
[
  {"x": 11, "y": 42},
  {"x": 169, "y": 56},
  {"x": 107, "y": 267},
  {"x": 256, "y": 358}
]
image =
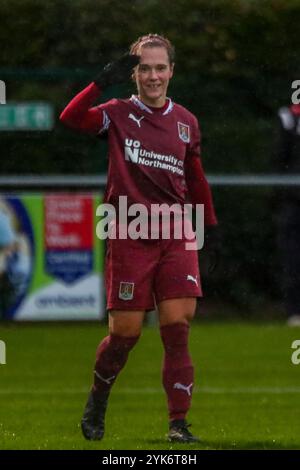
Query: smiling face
[{"x": 152, "y": 75}]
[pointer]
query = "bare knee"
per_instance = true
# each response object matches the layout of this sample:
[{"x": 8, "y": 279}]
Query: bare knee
[
  {"x": 189, "y": 315},
  {"x": 125, "y": 323},
  {"x": 177, "y": 311}
]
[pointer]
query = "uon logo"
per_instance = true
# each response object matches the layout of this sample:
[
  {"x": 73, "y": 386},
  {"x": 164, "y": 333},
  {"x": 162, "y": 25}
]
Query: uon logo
[
  {"x": 2, "y": 92},
  {"x": 132, "y": 149},
  {"x": 2, "y": 352}
]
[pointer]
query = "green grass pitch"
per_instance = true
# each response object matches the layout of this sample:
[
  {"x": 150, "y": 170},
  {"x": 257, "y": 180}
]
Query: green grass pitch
[{"x": 247, "y": 391}]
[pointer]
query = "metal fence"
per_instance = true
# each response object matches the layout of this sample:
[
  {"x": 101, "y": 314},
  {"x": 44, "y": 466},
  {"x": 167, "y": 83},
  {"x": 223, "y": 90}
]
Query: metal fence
[{"x": 60, "y": 182}]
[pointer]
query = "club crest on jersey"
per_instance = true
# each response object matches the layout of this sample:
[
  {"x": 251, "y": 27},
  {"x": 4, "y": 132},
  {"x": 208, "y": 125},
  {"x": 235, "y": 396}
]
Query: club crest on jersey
[
  {"x": 126, "y": 290},
  {"x": 184, "y": 132}
]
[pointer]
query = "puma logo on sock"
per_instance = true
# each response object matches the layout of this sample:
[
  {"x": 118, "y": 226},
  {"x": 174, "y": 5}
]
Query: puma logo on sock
[
  {"x": 107, "y": 381},
  {"x": 187, "y": 389}
]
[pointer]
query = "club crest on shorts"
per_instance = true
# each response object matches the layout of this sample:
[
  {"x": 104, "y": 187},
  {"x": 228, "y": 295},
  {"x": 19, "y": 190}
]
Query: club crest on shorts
[
  {"x": 184, "y": 132},
  {"x": 126, "y": 290}
]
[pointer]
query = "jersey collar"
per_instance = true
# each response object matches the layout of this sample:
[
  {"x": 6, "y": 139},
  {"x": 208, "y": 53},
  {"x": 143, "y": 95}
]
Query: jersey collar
[{"x": 135, "y": 100}]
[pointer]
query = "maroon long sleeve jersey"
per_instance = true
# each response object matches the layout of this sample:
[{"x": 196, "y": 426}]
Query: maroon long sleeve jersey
[{"x": 154, "y": 153}]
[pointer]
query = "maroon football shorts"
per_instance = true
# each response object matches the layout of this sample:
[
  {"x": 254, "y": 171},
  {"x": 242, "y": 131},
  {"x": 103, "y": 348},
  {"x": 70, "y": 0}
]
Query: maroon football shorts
[{"x": 141, "y": 273}]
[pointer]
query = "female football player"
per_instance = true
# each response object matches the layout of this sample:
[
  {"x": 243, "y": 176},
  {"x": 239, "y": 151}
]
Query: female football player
[{"x": 154, "y": 159}]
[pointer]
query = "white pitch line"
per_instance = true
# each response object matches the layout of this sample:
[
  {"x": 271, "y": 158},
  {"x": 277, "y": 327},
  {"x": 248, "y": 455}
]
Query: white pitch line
[{"x": 154, "y": 391}]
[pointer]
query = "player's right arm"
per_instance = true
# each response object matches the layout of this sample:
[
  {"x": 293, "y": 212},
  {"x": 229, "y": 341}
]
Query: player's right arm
[{"x": 79, "y": 113}]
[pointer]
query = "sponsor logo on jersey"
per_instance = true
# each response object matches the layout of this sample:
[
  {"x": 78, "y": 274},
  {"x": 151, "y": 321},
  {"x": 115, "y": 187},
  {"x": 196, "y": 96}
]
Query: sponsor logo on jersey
[
  {"x": 126, "y": 290},
  {"x": 184, "y": 132},
  {"x": 134, "y": 153},
  {"x": 135, "y": 119}
]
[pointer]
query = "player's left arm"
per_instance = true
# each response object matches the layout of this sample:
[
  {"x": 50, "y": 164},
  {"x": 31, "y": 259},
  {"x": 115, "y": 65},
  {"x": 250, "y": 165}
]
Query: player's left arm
[
  {"x": 197, "y": 185},
  {"x": 199, "y": 193}
]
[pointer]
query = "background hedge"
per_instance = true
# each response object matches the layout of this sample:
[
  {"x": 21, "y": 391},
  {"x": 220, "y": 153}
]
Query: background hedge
[{"x": 235, "y": 63}]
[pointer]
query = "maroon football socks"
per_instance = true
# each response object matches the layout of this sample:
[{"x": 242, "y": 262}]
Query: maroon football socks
[
  {"x": 111, "y": 357},
  {"x": 178, "y": 371}
]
